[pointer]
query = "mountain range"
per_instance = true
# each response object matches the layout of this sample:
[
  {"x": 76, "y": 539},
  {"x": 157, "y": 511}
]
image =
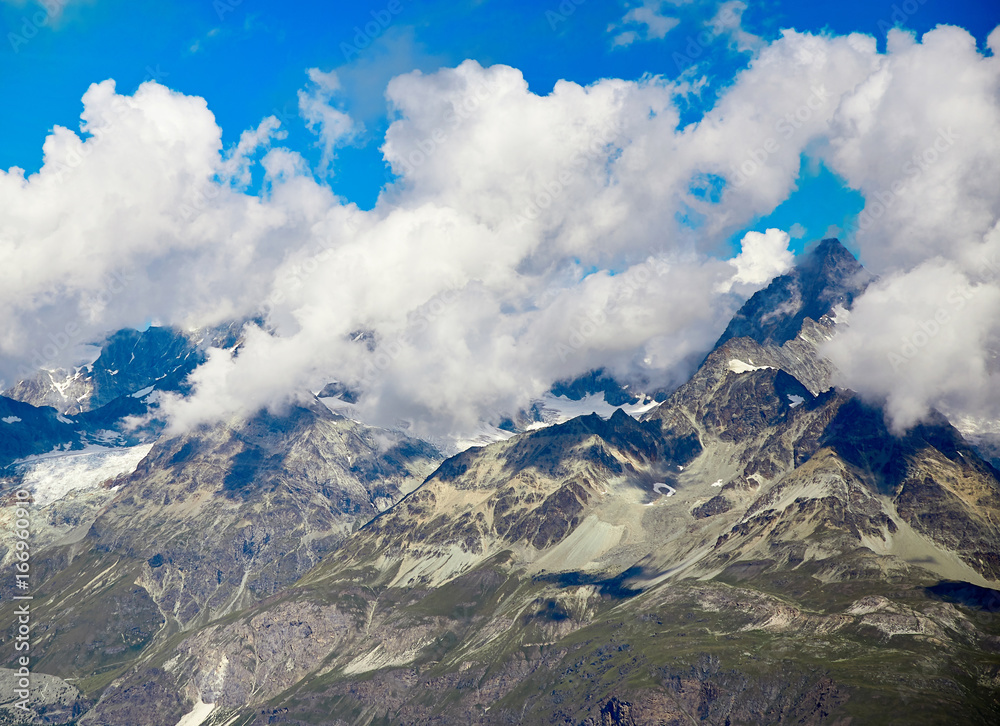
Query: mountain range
[{"x": 756, "y": 546}]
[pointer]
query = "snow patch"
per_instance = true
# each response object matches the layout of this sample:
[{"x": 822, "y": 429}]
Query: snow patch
[
  {"x": 144, "y": 392},
  {"x": 198, "y": 714},
  {"x": 52, "y": 476},
  {"x": 718, "y": 483},
  {"x": 840, "y": 315},
  {"x": 738, "y": 366},
  {"x": 10, "y": 419},
  {"x": 484, "y": 435},
  {"x": 794, "y": 400}
]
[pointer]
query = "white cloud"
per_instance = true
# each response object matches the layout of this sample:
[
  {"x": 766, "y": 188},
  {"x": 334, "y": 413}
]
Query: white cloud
[
  {"x": 729, "y": 21},
  {"x": 363, "y": 79},
  {"x": 927, "y": 337},
  {"x": 624, "y": 38},
  {"x": 124, "y": 223},
  {"x": 762, "y": 258},
  {"x": 475, "y": 270},
  {"x": 921, "y": 139},
  {"x": 52, "y": 10},
  {"x": 333, "y": 126},
  {"x": 648, "y": 22},
  {"x": 507, "y": 204},
  {"x": 235, "y": 168}
]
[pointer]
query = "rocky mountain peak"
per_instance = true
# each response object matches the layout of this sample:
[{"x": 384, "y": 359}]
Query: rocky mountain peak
[{"x": 825, "y": 277}]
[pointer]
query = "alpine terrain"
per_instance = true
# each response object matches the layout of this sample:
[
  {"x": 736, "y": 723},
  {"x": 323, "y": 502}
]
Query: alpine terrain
[{"x": 754, "y": 547}]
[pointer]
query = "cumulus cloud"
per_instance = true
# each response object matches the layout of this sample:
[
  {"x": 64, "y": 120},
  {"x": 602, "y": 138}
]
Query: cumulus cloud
[
  {"x": 921, "y": 139},
  {"x": 926, "y": 336},
  {"x": 506, "y": 256},
  {"x": 124, "y": 223},
  {"x": 527, "y": 238}
]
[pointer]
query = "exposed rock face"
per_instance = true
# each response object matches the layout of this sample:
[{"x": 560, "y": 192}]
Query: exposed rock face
[
  {"x": 131, "y": 360},
  {"x": 208, "y": 524},
  {"x": 227, "y": 516},
  {"x": 838, "y": 452},
  {"x": 151, "y": 700},
  {"x": 66, "y": 391},
  {"x": 60, "y": 410},
  {"x": 825, "y": 278},
  {"x": 51, "y": 699}
]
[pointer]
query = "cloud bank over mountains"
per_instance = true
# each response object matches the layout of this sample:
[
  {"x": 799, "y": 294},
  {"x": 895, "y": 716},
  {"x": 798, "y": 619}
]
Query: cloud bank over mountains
[{"x": 527, "y": 237}]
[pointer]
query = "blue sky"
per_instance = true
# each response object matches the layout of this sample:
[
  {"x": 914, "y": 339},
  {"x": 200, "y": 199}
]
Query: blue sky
[{"x": 248, "y": 59}]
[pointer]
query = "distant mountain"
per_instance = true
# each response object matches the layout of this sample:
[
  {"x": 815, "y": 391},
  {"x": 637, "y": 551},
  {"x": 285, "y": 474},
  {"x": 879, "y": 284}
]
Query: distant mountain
[
  {"x": 129, "y": 361},
  {"x": 206, "y": 525},
  {"x": 597, "y": 381},
  {"x": 60, "y": 410}
]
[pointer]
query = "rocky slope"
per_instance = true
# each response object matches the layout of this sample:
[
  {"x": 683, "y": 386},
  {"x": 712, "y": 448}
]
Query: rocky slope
[{"x": 207, "y": 524}]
